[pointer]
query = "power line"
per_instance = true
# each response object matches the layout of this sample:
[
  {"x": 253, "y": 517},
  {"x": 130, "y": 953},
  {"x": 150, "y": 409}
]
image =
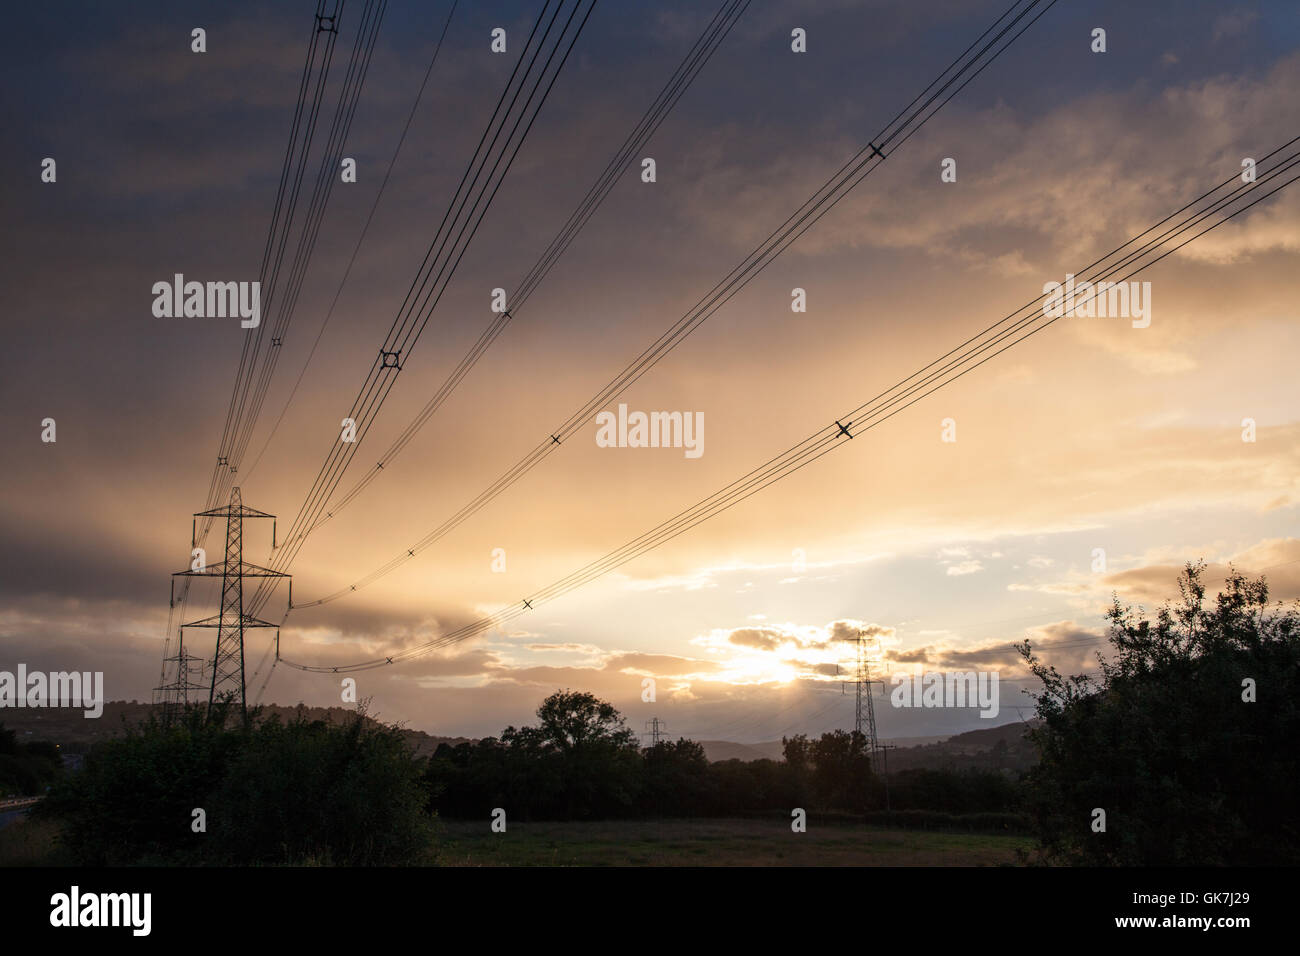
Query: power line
[
  {"x": 337, "y": 292},
  {"x": 360, "y": 239},
  {"x": 238, "y": 426},
  {"x": 345, "y": 112},
  {"x": 474, "y": 195},
  {"x": 700, "y": 53},
  {"x": 427, "y": 287},
  {"x": 912, "y": 118},
  {"x": 273, "y": 258},
  {"x": 869, "y": 414},
  {"x": 280, "y": 225}
]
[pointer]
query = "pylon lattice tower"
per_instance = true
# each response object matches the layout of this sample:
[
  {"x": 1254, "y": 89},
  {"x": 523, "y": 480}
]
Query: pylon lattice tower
[
  {"x": 656, "y": 729},
  {"x": 175, "y": 696},
  {"x": 864, "y": 719},
  {"x": 231, "y": 621}
]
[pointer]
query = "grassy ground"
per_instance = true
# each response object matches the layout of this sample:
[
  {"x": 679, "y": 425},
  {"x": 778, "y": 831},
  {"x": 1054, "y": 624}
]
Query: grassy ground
[
  {"x": 27, "y": 842},
  {"x": 717, "y": 843},
  {"x": 725, "y": 842}
]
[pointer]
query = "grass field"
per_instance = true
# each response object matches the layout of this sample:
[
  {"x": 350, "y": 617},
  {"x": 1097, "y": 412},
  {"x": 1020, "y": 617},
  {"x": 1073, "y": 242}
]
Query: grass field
[
  {"x": 723, "y": 842},
  {"x": 25, "y": 842},
  {"x": 729, "y": 842}
]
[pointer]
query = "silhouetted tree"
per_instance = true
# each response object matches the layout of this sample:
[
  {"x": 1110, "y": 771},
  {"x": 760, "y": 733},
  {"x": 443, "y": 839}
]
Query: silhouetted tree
[
  {"x": 795, "y": 751},
  {"x": 677, "y": 781},
  {"x": 273, "y": 793},
  {"x": 580, "y": 762},
  {"x": 841, "y": 770},
  {"x": 1164, "y": 741}
]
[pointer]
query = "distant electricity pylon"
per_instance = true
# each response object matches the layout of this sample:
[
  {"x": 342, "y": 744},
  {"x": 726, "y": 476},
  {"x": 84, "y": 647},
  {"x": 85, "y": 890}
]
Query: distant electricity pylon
[
  {"x": 175, "y": 696},
  {"x": 864, "y": 718},
  {"x": 655, "y": 728},
  {"x": 231, "y": 621}
]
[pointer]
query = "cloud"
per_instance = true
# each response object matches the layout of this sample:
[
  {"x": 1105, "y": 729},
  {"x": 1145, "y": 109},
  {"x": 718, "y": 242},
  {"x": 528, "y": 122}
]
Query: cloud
[
  {"x": 764, "y": 639},
  {"x": 1027, "y": 189},
  {"x": 708, "y": 577},
  {"x": 566, "y": 648},
  {"x": 1063, "y": 643},
  {"x": 1277, "y": 559},
  {"x": 1233, "y": 24}
]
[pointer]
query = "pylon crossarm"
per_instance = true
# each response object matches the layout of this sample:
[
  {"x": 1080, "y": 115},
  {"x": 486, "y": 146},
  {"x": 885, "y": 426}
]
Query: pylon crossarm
[
  {"x": 236, "y": 511},
  {"x": 245, "y": 570},
  {"x": 215, "y": 621}
]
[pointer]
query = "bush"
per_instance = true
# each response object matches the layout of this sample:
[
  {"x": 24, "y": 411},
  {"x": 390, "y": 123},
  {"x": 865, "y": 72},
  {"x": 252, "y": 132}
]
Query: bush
[
  {"x": 1186, "y": 769},
  {"x": 26, "y": 769},
  {"x": 273, "y": 793}
]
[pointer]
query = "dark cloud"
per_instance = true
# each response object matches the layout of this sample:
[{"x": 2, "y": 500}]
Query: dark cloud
[
  {"x": 762, "y": 638},
  {"x": 1063, "y": 643},
  {"x": 1277, "y": 561}
]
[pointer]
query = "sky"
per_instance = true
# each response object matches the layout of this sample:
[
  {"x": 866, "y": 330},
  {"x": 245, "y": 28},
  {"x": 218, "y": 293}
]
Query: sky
[{"x": 1092, "y": 435}]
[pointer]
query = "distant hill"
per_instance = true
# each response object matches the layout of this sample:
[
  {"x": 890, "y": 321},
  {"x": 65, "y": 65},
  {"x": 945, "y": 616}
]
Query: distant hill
[
  {"x": 75, "y": 733},
  {"x": 716, "y": 750},
  {"x": 997, "y": 748}
]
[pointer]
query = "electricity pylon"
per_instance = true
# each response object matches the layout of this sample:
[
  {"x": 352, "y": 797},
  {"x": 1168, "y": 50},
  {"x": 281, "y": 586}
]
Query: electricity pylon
[
  {"x": 174, "y": 697},
  {"x": 231, "y": 620},
  {"x": 864, "y": 720},
  {"x": 655, "y": 728}
]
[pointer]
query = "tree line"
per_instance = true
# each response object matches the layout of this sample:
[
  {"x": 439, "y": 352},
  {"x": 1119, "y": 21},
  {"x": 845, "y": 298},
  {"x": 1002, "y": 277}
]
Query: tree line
[
  {"x": 581, "y": 762},
  {"x": 1181, "y": 750}
]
